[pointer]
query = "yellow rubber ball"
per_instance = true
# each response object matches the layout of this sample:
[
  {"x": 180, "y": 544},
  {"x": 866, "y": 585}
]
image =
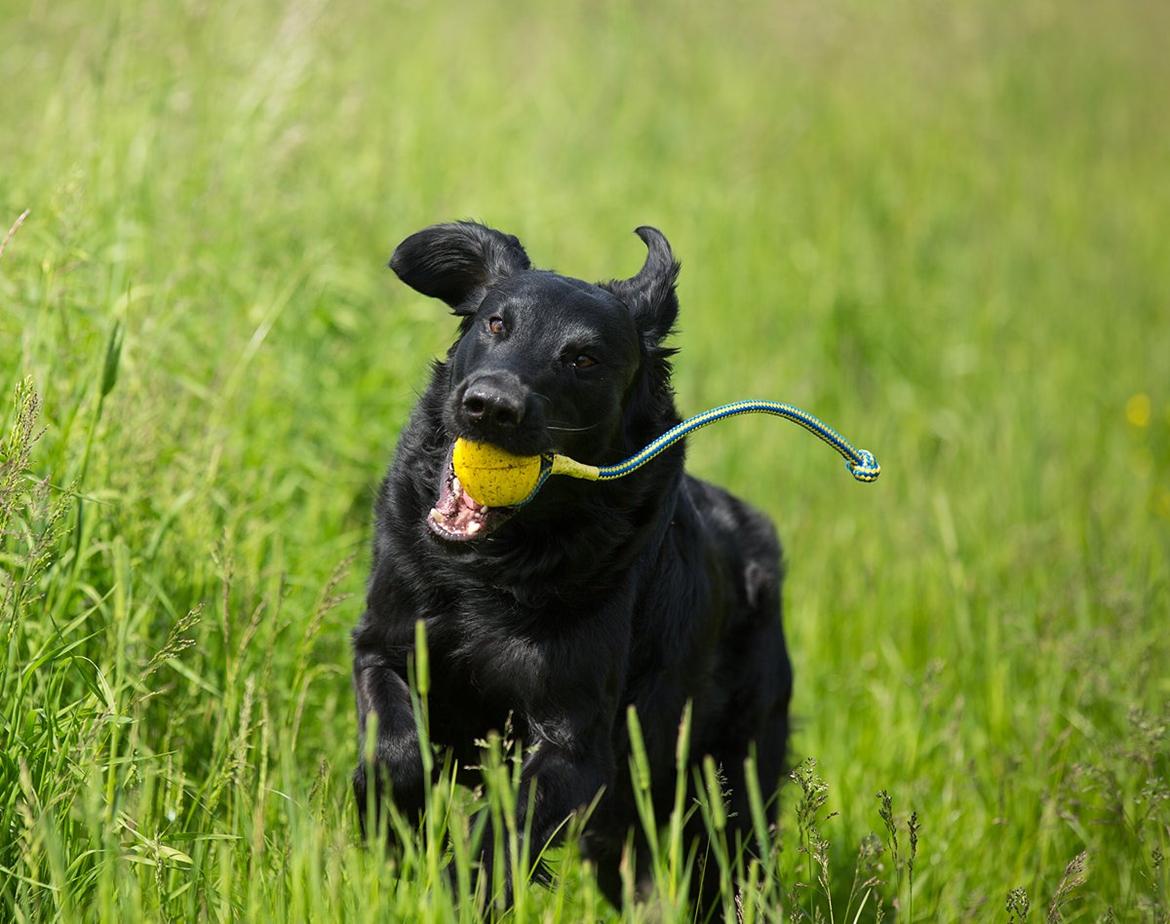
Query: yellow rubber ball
[{"x": 493, "y": 476}]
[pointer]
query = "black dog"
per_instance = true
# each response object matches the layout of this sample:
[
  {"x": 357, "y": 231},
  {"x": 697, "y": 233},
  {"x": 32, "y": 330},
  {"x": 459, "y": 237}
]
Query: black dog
[{"x": 650, "y": 590}]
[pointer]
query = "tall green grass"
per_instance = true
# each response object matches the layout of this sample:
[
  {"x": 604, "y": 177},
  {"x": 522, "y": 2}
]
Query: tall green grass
[{"x": 942, "y": 227}]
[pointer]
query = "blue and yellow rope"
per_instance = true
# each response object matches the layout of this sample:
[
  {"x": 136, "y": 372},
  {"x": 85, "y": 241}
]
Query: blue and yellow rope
[{"x": 860, "y": 462}]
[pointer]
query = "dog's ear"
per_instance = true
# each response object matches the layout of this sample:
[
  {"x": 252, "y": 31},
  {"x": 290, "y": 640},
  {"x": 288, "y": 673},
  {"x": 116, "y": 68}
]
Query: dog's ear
[
  {"x": 457, "y": 262},
  {"x": 650, "y": 295}
]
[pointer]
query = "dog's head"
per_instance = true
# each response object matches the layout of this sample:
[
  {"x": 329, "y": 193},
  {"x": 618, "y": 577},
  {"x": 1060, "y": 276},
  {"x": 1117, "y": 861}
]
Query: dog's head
[{"x": 544, "y": 362}]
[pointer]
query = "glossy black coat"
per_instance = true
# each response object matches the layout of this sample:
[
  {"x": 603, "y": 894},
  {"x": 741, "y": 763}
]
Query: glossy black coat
[{"x": 651, "y": 590}]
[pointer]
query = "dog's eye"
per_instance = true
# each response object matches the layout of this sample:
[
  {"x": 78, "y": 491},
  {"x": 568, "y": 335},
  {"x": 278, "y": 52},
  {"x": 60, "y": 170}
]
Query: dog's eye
[
  {"x": 495, "y": 324},
  {"x": 583, "y": 361}
]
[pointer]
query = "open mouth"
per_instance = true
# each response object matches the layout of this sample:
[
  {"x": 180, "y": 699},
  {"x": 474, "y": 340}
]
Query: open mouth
[{"x": 456, "y": 517}]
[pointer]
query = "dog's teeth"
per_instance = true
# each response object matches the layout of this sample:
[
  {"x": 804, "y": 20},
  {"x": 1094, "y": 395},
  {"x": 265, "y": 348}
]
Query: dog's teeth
[
  {"x": 456, "y": 486},
  {"x": 473, "y": 527},
  {"x": 435, "y": 515}
]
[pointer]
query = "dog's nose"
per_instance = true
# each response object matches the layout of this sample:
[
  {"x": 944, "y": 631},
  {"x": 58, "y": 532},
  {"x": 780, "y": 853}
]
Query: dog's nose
[{"x": 485, "y": 402}]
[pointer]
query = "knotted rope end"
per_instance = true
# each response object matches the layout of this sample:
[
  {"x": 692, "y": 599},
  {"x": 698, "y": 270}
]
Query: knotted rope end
[{"x": 866, "y": 468}]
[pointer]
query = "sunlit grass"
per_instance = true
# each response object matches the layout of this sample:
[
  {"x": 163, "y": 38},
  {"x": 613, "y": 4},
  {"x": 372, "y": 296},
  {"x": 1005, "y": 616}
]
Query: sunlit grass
[{"x": 942, "y": 228}]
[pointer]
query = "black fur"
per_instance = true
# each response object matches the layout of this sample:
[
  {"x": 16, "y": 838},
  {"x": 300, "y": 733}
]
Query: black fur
[{"x": 650, "y": 590}]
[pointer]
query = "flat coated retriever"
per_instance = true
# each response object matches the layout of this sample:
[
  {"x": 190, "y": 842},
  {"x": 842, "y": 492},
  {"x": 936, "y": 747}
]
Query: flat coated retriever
[{"x": 650, "y": 590}]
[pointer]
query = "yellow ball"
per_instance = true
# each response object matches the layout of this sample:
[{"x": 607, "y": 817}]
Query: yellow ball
[{"x": 492, "y": 476}]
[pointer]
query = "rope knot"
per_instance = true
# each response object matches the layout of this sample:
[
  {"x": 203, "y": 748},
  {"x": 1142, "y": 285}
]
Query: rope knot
[{"x": 866, "y": 468}]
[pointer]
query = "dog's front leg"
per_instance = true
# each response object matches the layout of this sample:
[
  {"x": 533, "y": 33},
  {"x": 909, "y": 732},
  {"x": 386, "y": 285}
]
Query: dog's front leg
[
  {"x": 568, "y": 763},
  {"x": 397, "y": 761}
]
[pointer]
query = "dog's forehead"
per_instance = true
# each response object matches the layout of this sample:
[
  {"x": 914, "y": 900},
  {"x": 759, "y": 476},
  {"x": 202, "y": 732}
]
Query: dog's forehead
[{"x": 540, "y": 290}]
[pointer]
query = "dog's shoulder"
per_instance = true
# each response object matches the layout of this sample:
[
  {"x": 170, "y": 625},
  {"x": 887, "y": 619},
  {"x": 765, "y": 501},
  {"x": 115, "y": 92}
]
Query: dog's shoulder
[
  {"x": 728, "y": 517},
  {"x": 742, "y": 537}
]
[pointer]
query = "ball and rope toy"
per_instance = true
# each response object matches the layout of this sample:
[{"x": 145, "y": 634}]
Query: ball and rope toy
[{"x": 497, "y": 478}]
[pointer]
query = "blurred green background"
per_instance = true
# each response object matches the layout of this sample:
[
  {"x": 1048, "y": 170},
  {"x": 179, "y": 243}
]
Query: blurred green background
[{"x": 941, "y": 226}]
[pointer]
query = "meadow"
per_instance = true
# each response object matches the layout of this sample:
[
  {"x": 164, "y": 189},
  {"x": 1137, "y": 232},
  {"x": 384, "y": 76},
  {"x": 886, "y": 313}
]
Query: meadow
[{"x": 942, "y": 227}]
